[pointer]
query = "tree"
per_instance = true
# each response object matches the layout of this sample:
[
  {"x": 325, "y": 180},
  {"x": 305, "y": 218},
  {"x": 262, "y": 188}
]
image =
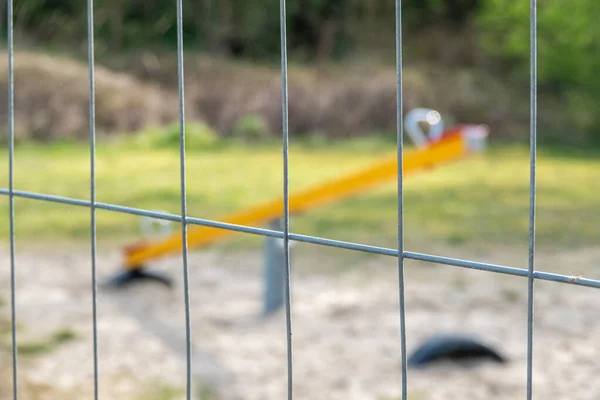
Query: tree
[{"x": 568, "y": 49}]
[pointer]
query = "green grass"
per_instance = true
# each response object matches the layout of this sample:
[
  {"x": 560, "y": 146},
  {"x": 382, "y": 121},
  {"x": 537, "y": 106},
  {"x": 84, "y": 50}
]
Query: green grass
[
  {"x": 48, "y": 345},
  {"x": 483, "y": 199},
  {"x": 162, "y": 391}
]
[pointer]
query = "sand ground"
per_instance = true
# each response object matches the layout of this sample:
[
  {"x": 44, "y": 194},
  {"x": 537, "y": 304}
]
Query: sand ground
[{"x": 346, "y": 335}]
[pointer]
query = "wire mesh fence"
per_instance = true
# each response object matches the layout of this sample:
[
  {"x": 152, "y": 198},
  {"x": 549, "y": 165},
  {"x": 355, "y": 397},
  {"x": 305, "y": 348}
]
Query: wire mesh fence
[{"x": 400, "y": 253}]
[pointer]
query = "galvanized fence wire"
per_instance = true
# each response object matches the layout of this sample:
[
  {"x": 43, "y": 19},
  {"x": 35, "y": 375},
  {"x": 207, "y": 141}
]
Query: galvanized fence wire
[
  {"x": 400, "y": 191},
  {"x": 11, "y": 189},
  {"x": 184, "y": 223},
  {"x": 400, "y": 253},
  {"x": 286, "y": 199},
  {"x": 532, "y": 189},
  {"x": 384, "y": 251},
  {"x": 92, "y": 81}
]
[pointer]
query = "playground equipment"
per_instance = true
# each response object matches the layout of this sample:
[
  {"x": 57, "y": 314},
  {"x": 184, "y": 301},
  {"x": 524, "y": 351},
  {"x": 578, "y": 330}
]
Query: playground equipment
[
  {"x": 425, "y": 115},
  {"x": 436, "y": 149},
  {"x": 455, "y": 348}
]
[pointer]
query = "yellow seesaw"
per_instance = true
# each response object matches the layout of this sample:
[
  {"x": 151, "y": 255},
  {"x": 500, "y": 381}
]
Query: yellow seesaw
[{"x": 455, "y": 143}]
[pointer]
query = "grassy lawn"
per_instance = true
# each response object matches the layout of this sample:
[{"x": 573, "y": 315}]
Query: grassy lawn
[{"x": 483, "y": 199}]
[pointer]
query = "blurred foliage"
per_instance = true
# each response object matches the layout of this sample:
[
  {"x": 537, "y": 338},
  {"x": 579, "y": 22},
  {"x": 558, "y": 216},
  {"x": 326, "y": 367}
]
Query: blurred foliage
[
  {"x": 251, "y": 128},
  {"x": 317, "y": 29},
  {"x": 198, "y": 136},
  {"x": 568, "y": 50},
  {"x": 438, "y": 31},
  {"x": 452, "y": 12}
]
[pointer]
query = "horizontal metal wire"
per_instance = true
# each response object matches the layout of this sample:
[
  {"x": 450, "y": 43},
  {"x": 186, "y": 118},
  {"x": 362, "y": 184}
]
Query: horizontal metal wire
[{"x": 501, "y": 269}]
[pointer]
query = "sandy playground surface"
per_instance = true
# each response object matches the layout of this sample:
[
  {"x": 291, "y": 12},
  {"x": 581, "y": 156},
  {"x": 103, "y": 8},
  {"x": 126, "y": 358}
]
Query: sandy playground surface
[{"x": 345, "y": 329}]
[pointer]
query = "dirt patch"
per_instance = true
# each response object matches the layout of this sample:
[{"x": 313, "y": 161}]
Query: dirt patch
[{"x": 345, "y": 330}]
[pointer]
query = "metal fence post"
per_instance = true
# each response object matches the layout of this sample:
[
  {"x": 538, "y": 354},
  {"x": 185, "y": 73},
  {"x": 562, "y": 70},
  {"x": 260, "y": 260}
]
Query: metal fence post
[{"x": 273, "y": 271}]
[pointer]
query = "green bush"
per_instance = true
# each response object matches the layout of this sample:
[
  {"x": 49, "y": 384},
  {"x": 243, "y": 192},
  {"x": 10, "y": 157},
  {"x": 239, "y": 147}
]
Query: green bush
[
  {"x": 198, "y": 136},
  {"x": 568, "y": 50},
  {"x": 251, "y": 128}
]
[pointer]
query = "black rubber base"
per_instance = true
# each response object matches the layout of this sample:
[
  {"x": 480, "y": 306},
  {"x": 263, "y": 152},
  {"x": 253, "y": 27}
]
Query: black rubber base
[
  {"x": 454, "y": 348},
  {"x": 128, "y": 277}
]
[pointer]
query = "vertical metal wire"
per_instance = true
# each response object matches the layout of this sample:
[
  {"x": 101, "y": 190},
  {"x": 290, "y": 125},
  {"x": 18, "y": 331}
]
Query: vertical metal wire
[
  {"x": 188, "y": 329},
  {"x": 400, "y": 141},
  {"x": 11, "y": 186},
  {"x": 90, "y": 25},
  {"x": 532, "y": 190},
  {"x": 286, "y": 202}
]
